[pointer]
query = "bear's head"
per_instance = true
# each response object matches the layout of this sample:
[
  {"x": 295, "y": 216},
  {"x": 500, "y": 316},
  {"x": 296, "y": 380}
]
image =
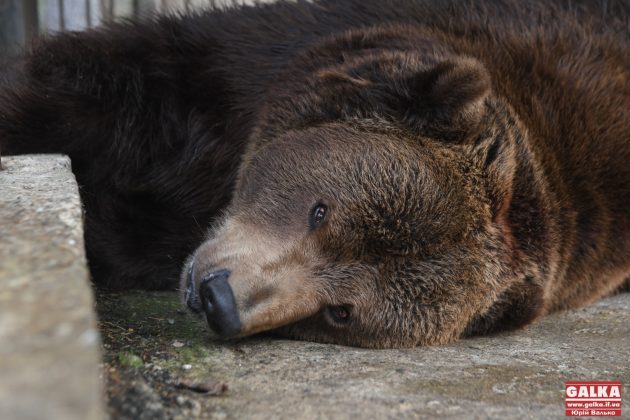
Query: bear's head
[{"x": 371, "y": 207}]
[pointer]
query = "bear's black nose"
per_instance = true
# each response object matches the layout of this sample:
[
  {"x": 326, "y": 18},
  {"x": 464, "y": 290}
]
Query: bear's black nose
[{"x": 217, "y": 301}]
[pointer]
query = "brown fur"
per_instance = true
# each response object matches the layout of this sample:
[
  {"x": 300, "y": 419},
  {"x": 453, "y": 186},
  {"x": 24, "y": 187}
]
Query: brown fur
[
  {"x": 474, "y": 159},
  {"x": 454, "y": 224}
]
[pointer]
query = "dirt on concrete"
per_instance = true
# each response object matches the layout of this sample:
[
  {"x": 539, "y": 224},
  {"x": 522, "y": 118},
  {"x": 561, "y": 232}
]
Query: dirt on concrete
[{"x": 160, "y": 362}]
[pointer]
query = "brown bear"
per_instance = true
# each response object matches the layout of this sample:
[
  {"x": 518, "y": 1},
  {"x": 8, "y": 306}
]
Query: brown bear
[{"x": 378, "y": 175}]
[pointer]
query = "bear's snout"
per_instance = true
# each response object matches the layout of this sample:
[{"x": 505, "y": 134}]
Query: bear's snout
[{"x": 245, "y": 281}]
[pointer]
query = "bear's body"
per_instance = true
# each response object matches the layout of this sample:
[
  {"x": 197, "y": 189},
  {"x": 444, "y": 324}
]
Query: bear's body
[{"x": 164, "y": 121}]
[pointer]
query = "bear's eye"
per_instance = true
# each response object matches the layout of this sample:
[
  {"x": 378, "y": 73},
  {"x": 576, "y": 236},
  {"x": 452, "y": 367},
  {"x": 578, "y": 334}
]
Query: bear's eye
[
  {"x": 340, "y": 314},
  {"x": 318, "y": 215}
]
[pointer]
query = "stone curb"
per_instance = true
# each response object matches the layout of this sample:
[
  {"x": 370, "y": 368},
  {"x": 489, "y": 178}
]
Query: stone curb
[{"x": 49, "y": 343}]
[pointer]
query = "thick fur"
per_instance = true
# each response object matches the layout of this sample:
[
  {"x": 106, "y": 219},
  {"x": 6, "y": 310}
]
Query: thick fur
[{"x": 520, "y": 111}]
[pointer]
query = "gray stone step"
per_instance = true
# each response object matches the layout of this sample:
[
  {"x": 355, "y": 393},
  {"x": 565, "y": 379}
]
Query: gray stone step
[{"x": 49, "y": 344}]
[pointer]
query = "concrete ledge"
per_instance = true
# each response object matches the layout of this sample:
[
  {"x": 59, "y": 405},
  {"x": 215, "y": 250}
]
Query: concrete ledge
[{"x": 49, "y": 344}]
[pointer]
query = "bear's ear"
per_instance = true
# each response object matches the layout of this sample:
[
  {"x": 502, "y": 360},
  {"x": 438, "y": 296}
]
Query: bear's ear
[
  {"x": 499, "y": 154},
  {"x": 447, "y": 100},
  {"x": 444, "y": 99}
]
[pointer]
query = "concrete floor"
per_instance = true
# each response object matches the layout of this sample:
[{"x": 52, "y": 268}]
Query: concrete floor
[{"x": 152, "y": 346}]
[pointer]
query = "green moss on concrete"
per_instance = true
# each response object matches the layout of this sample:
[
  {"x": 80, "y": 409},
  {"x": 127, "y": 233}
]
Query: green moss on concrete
[
  {"x": 151, "y": 318},
  {"x": 128, "y": 359},
  {"x": 152, "y": 328},
  {"x": 151, "y": 343}
]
